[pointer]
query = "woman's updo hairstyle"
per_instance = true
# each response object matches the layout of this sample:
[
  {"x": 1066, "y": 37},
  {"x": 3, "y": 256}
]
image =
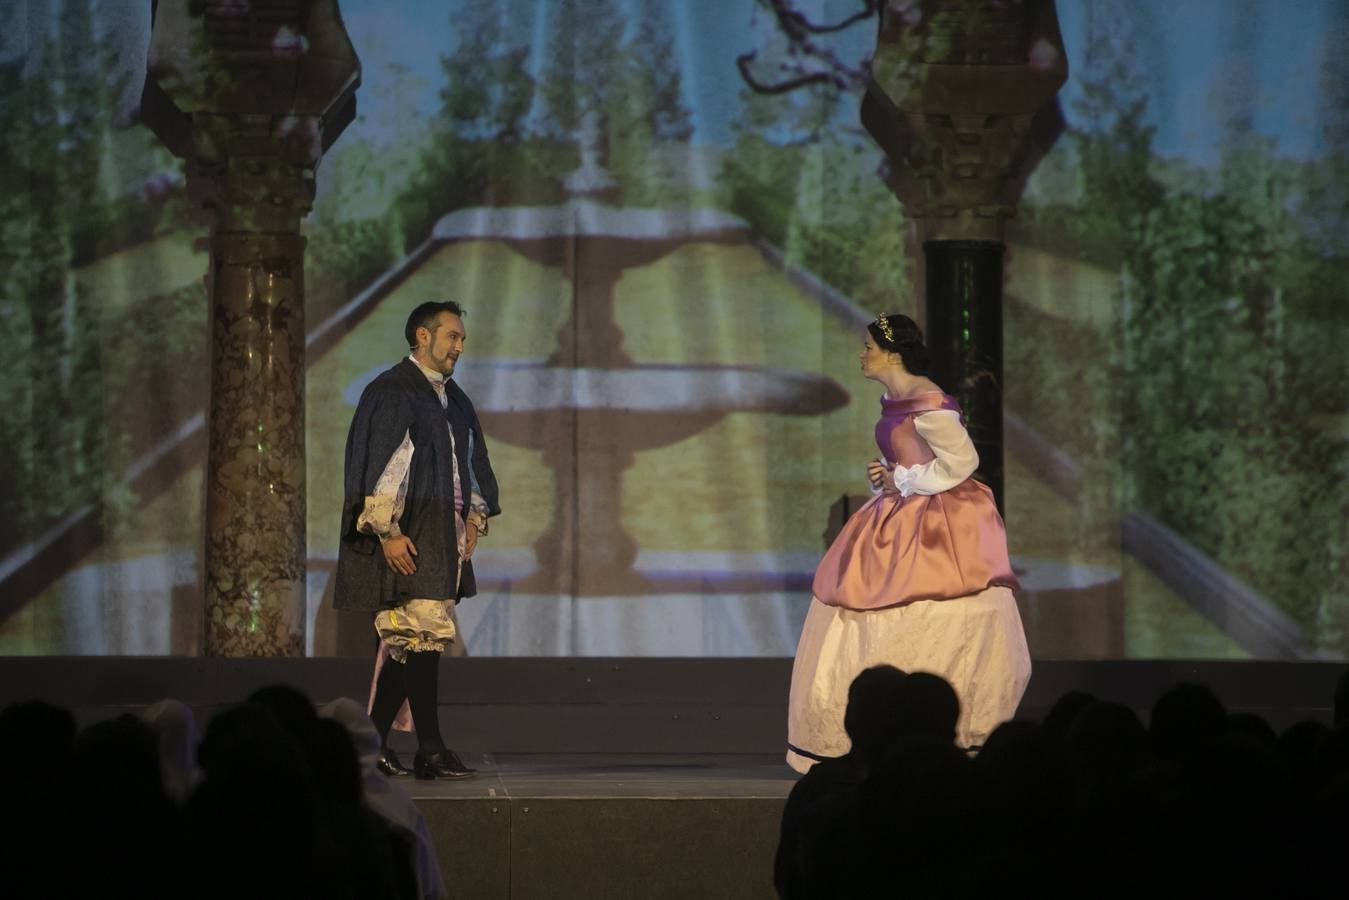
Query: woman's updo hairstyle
[{"x": 900, "y": 334}]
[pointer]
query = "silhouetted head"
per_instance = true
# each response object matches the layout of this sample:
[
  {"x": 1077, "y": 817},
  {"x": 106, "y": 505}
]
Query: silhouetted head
[
  {"x": 36, "y": 739},
  {"x": 930, "y": 707},
  {"x": 1022, "y": 774},
  {"x": 1297, "y": 749},
  {"x": 337, "y": 772},
  {"x": 1248, "y": 773},
  {"x": 120, "y": 754},
  {"x": 176, "y": 725},
  {"x": 257, "y": 783},
  {"x": 364, "y": 736},
  {"x": 1064, "y": 712},
  {"x": 1342, "y": 700},
  {"x": 249, "y": 738},
  {"x": 1252, "y": 726},
  {"x": 1012, "y": 747},
  {"x": 874, "y": 715},
  {"x": 120, "y": 811},
  {"x": 1331, "y": 761},
  {"x": 920, "y": 773},
  {"x": 293, "y": 710},
  {"x": 1186, "y": 720},
  {"x": 1106, "y": 745},
  {"x": 912, "y": 809}
]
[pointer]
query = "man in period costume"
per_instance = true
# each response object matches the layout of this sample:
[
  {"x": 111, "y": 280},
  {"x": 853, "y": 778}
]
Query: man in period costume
[{"x": 418, "y": 492}]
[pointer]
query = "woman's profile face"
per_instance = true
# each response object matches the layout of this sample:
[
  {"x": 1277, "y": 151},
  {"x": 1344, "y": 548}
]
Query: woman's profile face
[{"x": 874, "y": 359}]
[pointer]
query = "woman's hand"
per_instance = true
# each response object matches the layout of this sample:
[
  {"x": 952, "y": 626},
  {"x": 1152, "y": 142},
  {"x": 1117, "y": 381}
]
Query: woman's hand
[{"x": 878, "y": 473}]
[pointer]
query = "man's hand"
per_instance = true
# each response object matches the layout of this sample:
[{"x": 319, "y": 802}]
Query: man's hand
[
  {"x": 470, "y": 539},
  {"x": 398, "y": 553}
]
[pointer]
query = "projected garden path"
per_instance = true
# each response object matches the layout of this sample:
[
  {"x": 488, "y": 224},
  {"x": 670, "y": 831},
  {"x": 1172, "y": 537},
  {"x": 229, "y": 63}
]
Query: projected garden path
[
  {"x": 589, "y": 406},
  {"x": 700, "y": 305},
  {"x": 746, "y": 493}
]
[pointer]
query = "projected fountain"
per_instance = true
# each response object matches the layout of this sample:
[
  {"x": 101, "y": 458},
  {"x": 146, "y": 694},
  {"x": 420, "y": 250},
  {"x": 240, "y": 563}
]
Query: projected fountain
[{"x": 589, "y": 407}]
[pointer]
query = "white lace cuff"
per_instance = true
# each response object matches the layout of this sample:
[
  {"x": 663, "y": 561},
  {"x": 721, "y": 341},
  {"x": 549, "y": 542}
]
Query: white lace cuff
[{"x": 906, "y": 478}]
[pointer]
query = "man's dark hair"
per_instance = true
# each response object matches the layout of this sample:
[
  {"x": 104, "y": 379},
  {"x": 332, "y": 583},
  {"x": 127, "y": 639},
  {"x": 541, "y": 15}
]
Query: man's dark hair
[{"x": 424, "y": 316}]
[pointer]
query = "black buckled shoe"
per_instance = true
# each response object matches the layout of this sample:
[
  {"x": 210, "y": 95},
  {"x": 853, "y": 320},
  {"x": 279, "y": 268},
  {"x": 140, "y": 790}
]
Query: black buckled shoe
[
  {"x": 443, "y": 764},
  {"x": 390, "y": 764}
]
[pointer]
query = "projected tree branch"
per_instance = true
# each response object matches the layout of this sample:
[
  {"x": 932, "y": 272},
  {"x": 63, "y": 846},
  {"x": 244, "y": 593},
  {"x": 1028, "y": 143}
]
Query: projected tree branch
[{"x": 810, "y": 62}]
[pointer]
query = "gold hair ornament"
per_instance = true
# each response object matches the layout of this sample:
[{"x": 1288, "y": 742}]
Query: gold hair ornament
[{"x": 884, "y": 325}]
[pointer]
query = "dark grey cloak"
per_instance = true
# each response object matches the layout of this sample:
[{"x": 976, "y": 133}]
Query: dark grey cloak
[{"x": 400, "y": 401}]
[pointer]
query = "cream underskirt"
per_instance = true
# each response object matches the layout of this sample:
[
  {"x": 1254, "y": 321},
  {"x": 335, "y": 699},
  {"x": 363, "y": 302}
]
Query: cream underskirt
[{"x": 975, "y": 642}]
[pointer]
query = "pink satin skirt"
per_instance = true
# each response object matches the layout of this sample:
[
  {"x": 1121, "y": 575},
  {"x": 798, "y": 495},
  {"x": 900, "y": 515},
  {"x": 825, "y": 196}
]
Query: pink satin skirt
[{"x": 896, "y": 550}]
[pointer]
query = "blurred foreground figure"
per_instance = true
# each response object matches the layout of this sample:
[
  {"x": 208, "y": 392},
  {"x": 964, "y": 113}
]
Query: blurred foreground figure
[{"x": 388, "y": 799}]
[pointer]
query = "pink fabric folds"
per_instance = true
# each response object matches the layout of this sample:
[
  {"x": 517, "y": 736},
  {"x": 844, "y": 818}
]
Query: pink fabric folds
[{"x": 896, "y": 550}]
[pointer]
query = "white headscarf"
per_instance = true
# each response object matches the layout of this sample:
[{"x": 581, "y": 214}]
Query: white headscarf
[
  {"x": 176, "y": 726},
  {"x": 386, "y": 797}
]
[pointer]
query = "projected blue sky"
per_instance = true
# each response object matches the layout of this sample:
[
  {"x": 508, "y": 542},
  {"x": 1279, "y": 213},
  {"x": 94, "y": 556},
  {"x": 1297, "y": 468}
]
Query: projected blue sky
[
  {"x": 1187, "y": 60},
  {"x": 1198, "y": 59}
]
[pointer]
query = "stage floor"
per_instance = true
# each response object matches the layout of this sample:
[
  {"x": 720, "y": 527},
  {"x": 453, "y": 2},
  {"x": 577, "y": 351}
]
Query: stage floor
[
  {"x": 606, "y": 776},
  {"x": 608, "y": 826}
]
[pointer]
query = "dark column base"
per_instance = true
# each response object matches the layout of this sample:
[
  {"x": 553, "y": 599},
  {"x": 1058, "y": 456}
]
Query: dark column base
[{"x": 964, "y": 336}]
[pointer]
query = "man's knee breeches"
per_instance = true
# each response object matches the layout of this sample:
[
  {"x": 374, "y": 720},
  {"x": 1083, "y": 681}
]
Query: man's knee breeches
[{"x": 416, "y": 626}]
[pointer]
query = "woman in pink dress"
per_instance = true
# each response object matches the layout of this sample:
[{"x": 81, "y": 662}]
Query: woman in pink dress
[{"x": 919, "y": 576}]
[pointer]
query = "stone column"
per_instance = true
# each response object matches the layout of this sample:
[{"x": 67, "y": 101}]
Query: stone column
[
  {"x": 251, "y": 97},
  {"x": 255, "y": 472},
  {"x": 962, "y": 100}
]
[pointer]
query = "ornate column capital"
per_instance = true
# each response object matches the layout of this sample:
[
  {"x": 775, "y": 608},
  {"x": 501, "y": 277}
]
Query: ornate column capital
[
  {"x": 962, "y": 99},
  {"x": 251, "y": 96}
]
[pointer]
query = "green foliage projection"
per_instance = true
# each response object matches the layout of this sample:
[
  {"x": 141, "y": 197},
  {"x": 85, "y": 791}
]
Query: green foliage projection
[
  {"x": 506, "y": 135},
  {"x": 57, "y": 213},
  {"x": 1225, "y": 367},
  {"x": 807, "y": 189}
]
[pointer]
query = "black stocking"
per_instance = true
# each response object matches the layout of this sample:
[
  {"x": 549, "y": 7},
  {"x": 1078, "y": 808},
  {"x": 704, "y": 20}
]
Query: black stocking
[
  {"x": 390, "y": 692},
  {"x": 422, "y": 680}
]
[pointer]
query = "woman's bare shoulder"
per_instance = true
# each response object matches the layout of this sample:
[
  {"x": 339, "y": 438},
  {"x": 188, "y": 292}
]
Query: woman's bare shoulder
[{"x": 925, "y": 386}]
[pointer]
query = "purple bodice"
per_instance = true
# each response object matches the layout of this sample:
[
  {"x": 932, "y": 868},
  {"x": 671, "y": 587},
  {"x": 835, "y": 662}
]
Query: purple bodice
[{"x": 896, "y": 437}]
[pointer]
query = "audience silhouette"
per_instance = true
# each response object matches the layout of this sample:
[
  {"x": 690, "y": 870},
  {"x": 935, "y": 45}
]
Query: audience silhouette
[
  {"x": 272, "y": 803},
  {"x": 279, "y": 801},
  {"x": 1091, "y": 803}
]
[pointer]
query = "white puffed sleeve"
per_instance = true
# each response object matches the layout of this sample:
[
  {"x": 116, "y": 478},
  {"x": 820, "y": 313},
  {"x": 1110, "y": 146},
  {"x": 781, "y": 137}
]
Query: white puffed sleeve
[
  {"x": 955, "y": 460},
  {"x": 384, "y": 508}
]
